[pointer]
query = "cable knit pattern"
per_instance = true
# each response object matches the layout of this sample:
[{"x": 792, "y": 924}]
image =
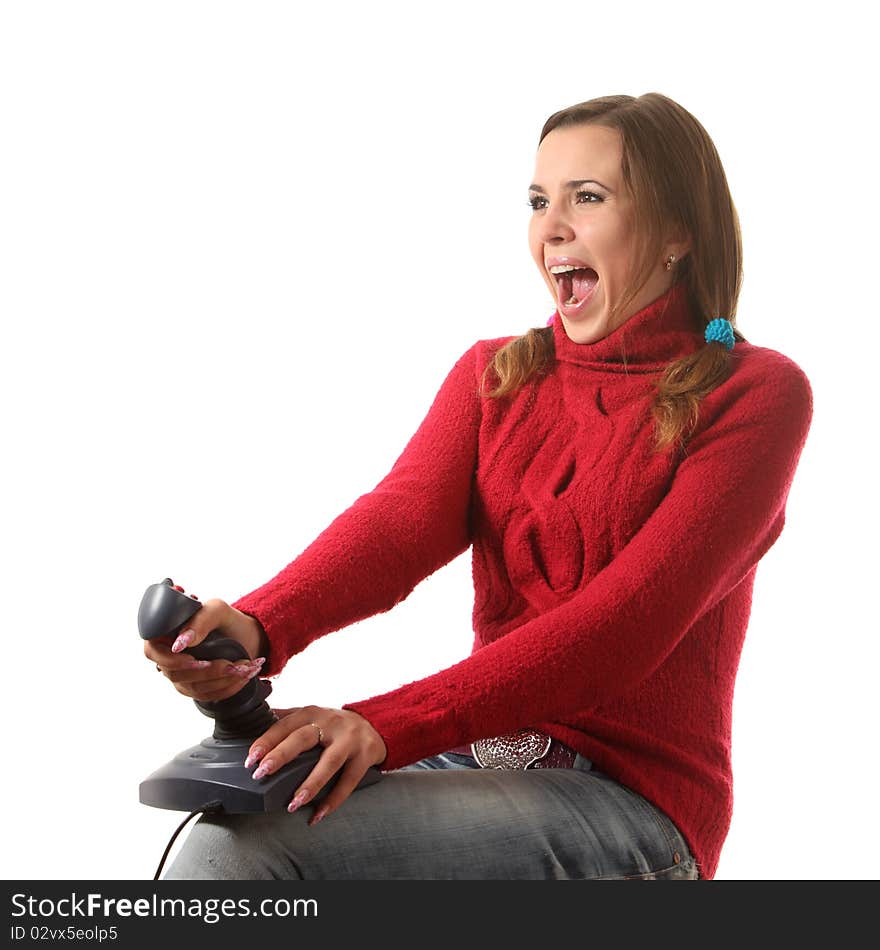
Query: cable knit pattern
[{"x": 612, "y": 585}]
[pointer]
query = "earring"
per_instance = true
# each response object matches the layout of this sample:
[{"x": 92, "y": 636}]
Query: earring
[{"x": 670, "y": 261}]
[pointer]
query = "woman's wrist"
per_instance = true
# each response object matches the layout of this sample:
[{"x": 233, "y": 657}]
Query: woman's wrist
[{"x": 256, "y": 642}]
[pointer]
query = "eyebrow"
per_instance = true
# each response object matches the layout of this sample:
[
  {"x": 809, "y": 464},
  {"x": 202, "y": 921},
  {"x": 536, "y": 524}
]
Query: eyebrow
[{"x": 573, "y": 184}]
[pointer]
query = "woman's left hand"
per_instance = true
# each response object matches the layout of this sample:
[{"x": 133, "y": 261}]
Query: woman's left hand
[{"x": 350, "y": 743}]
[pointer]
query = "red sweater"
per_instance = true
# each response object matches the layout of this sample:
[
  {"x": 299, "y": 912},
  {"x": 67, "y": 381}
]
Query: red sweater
[{"x": 612, "y": 586}]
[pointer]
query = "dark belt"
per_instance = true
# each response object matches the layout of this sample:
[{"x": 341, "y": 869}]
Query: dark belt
[{"x": 526, "y": 749}]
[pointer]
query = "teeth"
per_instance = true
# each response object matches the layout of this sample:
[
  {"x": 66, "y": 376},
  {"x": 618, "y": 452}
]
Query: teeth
[
  {"x": 562, "y": 268},
  {"x": 573, "y": 300}
]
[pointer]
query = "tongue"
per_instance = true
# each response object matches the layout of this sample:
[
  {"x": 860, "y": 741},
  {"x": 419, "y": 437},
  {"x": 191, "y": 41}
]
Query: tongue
[
  {"x": 583, "y": 281},
  {"x": 578, "y": 283}
]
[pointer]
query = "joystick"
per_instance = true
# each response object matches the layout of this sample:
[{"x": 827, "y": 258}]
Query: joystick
[{"x": 212, "y": 773}]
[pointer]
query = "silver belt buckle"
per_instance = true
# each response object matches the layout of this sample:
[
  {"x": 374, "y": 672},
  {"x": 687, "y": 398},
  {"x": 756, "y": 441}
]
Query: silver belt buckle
[{"x": 516, "y": 751}]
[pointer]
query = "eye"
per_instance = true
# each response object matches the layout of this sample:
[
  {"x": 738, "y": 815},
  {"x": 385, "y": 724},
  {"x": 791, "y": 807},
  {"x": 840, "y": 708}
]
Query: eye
[{"x": 593, "y": 198}]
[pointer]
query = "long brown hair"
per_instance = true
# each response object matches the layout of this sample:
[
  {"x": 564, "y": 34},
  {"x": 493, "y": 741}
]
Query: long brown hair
[{"x": 674, "y": 174}]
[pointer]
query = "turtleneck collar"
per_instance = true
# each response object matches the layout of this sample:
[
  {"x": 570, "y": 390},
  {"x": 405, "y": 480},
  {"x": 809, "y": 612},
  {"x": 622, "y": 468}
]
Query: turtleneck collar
[{"x": 662, "y": 331}]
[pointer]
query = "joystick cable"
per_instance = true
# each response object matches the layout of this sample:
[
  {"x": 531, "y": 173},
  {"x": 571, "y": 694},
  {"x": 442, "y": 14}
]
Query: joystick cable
[{"x": 212, "y": 808}]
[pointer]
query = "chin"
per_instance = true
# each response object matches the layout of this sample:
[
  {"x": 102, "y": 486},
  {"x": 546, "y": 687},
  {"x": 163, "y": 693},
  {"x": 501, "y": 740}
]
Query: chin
[
  {"x": 593, "y": 320},
  {"x": 587, "y": 334}
]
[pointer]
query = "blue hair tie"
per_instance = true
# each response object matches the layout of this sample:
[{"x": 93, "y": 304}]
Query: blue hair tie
[{"x": 720, "y": 330}]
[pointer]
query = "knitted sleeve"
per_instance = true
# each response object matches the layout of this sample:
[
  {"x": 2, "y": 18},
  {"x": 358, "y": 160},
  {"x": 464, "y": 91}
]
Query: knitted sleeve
[
  {"x": 724, "y": 510},
  {"x": 372, "y": 555}
]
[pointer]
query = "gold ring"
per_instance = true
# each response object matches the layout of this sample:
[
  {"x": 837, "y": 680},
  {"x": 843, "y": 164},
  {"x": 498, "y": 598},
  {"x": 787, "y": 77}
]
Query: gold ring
[{"x": 320, "y": 732}]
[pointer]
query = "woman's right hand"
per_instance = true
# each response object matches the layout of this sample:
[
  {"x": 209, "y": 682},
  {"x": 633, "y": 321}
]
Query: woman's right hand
[{"x": 210, "y": 680}]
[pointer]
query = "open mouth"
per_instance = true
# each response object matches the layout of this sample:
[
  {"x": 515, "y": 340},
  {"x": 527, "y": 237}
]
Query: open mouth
[{"x": 574, "y": 288}]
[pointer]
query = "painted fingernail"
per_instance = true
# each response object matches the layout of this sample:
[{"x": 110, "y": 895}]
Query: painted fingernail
[
  {"x": 182, "y": 642},
  {"x": 301, "y": 797},
  {"x": 319, "y": 816},
  {"x": 254, "y": 757},
  {"x": 198, "y": 664},
  {"x": 263, "y": 770},
  {"x": 248, "y": 667}
]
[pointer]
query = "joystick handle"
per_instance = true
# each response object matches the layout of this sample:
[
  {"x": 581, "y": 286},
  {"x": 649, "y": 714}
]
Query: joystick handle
[{"x": 164, "y": 611}]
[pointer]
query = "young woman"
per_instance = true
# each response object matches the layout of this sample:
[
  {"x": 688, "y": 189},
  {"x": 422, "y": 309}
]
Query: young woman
[{"x": 618, "y": 473}]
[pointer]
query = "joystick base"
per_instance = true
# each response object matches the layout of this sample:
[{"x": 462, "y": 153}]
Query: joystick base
[{"x": 211, "y": 775}]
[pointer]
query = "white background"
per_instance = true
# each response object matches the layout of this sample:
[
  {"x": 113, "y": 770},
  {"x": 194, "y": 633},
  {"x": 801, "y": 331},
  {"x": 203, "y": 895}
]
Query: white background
[{"x": 242, "y": 245}]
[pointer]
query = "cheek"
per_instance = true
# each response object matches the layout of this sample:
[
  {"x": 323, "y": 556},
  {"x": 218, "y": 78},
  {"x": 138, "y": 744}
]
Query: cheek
[
  {"x": 533, "y": 237},
  {"x": 536, "y": 249},
  {"x": 618, "y": 248}
]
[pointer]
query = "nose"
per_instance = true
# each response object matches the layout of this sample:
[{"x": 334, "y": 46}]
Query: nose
[{"x": 554, "y": 226}]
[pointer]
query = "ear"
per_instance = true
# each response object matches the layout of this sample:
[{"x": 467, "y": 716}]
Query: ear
[{"x": 679, "y": 245}]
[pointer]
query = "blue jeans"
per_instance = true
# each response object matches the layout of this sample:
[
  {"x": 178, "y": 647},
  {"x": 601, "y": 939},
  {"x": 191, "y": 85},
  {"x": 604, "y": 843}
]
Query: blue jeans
[{"x": 445, "y": 818}]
